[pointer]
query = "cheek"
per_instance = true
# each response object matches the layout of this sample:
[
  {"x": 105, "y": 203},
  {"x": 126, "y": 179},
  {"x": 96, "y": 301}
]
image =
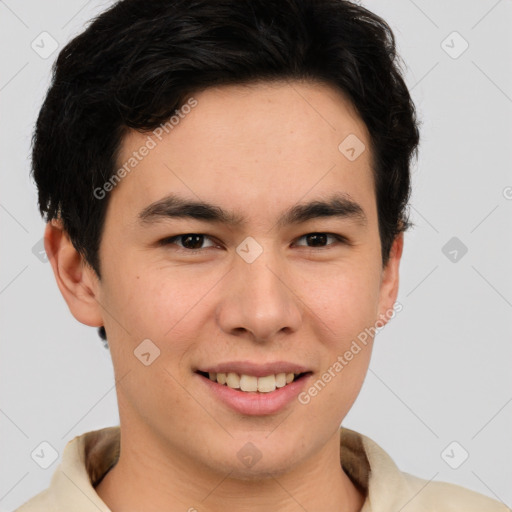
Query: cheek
[
  {"x": 166, "y": 307},
  {"x": 345, "y": 298},
  {"x": 344, "y": 305}
]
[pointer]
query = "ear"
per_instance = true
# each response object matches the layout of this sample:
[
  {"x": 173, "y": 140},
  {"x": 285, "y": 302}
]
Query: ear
[
  {"x": 389, "y": 281},
  {"x": 76, "y": 280}
]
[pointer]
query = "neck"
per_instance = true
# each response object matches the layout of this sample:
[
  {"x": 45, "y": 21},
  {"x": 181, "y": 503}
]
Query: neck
[{"x": 154, "y": 480}]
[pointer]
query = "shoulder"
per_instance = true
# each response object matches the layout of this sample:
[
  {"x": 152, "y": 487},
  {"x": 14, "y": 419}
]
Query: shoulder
[
  {"x": 85, "y": 459},
  {"x": 39, "y": 503},
  {"x": 390, "y": 489},
  {"x": 447, "y": 497}
]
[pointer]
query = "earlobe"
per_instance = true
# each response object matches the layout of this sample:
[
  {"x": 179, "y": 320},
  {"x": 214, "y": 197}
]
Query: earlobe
[
  {"x": 77, "y": 282},
  {"x": 390, "y": 280}
]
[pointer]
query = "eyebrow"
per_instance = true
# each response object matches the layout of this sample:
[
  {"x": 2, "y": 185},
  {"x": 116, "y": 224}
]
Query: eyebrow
[{"x": 339, "y": 205}]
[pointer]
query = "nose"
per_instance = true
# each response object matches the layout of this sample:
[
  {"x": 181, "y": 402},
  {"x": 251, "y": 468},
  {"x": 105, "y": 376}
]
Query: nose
[{"x": 259, "y": 301}]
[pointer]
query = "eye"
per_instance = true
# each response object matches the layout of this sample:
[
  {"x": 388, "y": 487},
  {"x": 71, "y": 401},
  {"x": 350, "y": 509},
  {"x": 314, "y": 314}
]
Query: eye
[
  {"x": 320, "y": 240},
  {"x": 188, "y": 241},
  {"x": 193, "y": 242}
]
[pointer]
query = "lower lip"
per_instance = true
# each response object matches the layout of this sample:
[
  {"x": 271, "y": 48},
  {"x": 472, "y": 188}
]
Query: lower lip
[{"x": 255, "y": 403}]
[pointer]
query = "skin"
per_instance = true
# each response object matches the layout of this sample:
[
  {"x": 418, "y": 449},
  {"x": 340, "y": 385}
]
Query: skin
[{"x": 295, "y": 302}]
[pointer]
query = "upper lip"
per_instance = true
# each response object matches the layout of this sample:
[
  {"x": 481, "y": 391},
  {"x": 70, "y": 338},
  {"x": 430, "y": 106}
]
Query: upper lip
[{"x": 256, "y": 370}]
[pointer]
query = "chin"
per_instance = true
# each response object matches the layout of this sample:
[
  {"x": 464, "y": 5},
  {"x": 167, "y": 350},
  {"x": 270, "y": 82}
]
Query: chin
[
  {"x": 260, "y": 471},
  {"x": 270, "y": 453}
]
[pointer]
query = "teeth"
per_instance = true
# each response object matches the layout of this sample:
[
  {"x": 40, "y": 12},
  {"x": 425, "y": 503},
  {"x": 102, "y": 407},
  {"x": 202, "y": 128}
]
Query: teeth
[
  {"x": 233, "y": 380},
  {"x": 249, "y": 383},
  {"x": 267, "y": 384},
  {"x": 281, "y": 380}
]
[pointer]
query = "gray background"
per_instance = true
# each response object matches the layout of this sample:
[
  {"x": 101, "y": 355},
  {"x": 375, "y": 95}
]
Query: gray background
[{"x": 440, "y": 371}]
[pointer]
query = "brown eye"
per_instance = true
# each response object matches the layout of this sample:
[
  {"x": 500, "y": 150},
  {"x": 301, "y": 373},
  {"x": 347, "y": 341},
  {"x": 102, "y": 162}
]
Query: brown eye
[
  {"x": 188, "y": 241},
  {"x": 319, "y": 240}
]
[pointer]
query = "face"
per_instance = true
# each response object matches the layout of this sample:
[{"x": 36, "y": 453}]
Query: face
[{"x": 268, "y": 280}]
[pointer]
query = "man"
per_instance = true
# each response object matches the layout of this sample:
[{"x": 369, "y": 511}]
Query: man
[{"x": 225, "y": 185}]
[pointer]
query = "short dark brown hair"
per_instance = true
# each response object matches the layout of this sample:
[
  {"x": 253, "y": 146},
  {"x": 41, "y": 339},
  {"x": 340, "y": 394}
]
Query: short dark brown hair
[{"x": 138, "y": 62}]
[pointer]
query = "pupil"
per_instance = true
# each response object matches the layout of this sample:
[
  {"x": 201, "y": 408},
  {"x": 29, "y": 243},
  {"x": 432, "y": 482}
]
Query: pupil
[
  {"x": 315, "y": 237},
  {"x": 196, "y": 245}
]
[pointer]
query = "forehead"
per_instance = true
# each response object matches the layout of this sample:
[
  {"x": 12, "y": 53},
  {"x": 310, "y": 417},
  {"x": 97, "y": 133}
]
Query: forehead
[{"x": 254, "y": 147}]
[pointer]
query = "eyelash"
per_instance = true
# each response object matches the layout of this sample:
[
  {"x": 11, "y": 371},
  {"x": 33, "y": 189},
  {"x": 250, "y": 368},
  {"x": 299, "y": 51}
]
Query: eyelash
[{"x": 171, "y": 240}]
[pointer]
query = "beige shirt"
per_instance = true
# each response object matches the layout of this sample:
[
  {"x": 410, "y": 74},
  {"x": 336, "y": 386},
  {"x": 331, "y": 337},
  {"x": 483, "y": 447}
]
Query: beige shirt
[{"x": 87, "y": 458}]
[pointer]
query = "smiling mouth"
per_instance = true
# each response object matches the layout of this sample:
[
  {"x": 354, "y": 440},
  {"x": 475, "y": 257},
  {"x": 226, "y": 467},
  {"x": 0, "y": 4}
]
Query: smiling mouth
[{"x": 252, "y": 384}]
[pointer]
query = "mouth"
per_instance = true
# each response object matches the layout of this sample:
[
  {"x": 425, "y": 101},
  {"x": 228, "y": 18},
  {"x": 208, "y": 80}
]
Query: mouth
[
  {"x": 255, "y": 390},
  {"x": 253, "y": 384}
]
